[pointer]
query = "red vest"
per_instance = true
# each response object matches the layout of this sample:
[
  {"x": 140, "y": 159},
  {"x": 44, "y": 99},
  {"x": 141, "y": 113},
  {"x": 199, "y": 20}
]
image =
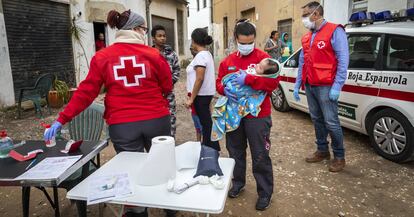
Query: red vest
[{"x": 320, "y": 62}]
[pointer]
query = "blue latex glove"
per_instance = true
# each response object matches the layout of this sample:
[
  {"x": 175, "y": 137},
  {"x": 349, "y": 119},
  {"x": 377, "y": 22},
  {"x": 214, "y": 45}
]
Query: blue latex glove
[
  {"x": 334, "y": 95},
  {"x": 296, "y": 94},
  {"x": 240, "y": 79},
  {"x": 51, "y": 132},
  {"x": 232, "y": 97}
]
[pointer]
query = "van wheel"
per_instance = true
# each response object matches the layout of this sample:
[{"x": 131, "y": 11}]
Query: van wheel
[
  {"x": 279, "y": 101},
  {"x": 392, "y": 135}
]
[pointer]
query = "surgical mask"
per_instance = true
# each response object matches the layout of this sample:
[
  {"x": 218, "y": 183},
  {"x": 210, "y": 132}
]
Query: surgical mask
[
  {"x": 308, "y": 23},
  {"x": 245, "y": 49}
]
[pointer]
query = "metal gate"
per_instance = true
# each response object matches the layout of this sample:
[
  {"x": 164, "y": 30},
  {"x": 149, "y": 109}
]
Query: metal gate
[{"x": 38, "y": 35}]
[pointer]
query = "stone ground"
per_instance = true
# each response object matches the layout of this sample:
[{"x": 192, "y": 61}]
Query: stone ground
[{"x": 369, "y": 186}]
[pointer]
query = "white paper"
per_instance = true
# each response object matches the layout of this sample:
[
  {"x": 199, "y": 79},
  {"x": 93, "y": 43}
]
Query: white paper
[
  {"x": 159, "y": 166},
  {"x": 187, "y": 155},
  {"x": 49, "y": 168},
  {"x": 121, "y": 188}
]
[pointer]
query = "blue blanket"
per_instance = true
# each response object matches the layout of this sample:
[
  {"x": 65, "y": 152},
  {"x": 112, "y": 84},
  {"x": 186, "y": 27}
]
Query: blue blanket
[{"x": 228, "y": 114}]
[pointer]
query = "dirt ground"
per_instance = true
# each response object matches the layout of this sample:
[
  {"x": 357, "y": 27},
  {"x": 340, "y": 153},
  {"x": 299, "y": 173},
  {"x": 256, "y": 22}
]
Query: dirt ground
[{"x": 369, "y": 186}]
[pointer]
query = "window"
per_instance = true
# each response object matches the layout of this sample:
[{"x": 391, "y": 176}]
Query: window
[
  {"x": 359, "y": 5},
  {"x": 225, "y": 33},
  {"x": 198, "y": 5},
  {"x": 363, "y": 51},
  {"x": 399, "y": 53},
  {"x": 293, "y": 61},
  {"x": 204, "y": 3},
  {"x": 285, "y": 26}
]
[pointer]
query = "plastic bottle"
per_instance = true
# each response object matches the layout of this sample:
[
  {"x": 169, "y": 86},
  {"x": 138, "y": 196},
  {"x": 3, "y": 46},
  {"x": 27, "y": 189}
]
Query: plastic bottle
[
  {"x": 52, "y": 141},
  {"x": 6, "y": 144}
]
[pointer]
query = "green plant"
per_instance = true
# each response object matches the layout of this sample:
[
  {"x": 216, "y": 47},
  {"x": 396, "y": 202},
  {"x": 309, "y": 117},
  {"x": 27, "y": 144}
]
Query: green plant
[{"x": 62, "y": 89}]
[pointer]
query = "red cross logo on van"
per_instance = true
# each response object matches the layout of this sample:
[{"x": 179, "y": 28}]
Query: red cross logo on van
[
  {"x": 129, "y": 71},
  {"x": 321, "y": 44}
]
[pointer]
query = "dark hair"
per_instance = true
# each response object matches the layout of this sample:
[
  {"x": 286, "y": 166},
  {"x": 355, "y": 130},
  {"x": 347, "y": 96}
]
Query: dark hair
[
  {"x": 273, "y": 33},
  {"x": 314, "y": 5},
  {"x": 244, "y": 27},
  {"x": 201, "y": 37},
  {"x": 115, "y": 19},
  {"x": 155, "y": 29},
  {"x": 274, "y": 68}
]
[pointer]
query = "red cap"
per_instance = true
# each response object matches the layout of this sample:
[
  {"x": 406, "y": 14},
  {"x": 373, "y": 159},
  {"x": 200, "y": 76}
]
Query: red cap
[{"x": 3, "y": 133}]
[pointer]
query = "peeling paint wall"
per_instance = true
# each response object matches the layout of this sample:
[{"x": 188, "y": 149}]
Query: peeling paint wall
[
  {"x": 6, "y": 81},
  {"x": 96, "y": 11}
]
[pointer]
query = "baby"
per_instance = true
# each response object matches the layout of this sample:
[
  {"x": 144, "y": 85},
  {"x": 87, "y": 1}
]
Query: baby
[{"x": 267, "y": 66}]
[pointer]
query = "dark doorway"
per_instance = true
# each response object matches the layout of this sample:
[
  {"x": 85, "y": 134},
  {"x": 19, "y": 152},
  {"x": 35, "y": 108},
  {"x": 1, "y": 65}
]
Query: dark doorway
[
  {"x": 99, "y": 28},
  {"x": 169, "y": 28}
]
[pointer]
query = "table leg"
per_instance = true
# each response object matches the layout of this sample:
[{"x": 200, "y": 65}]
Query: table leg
[
  {"x": 81, "y": 206},
  {"x": 25, "y": 200},
  {"x": 56, "y": 201}
]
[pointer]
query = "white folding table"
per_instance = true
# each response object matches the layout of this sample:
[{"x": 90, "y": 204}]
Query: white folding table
[{"x": 199, "y": 198}]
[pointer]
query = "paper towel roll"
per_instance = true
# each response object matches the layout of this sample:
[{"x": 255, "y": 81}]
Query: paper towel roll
[{"x": 160, "y": 165}]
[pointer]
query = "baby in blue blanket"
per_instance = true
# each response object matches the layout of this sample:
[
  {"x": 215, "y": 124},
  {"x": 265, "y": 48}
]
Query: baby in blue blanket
[{"x": 227, "y": 113}]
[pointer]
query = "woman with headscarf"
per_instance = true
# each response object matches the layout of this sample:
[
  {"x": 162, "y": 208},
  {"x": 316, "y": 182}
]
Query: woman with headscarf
[
  {"x": 137, "y": 79},
  {"x": 287, "y": 44}
]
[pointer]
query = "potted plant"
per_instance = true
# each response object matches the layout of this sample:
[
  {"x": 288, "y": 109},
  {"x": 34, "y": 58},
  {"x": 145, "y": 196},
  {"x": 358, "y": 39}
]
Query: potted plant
[{"x": 59, "y": 94}]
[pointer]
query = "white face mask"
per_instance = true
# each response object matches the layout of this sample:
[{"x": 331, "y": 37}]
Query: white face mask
[
  {"x": 308, "y": 23},
  {"x": 245, "y": 49}
]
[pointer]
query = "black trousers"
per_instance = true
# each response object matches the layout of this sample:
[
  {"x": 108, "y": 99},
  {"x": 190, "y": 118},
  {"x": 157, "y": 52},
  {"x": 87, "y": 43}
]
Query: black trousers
[
  {"x": 202, "y": 108},
  {"x": 137, "y": 136},
  {"x": 257, "y": 132}
]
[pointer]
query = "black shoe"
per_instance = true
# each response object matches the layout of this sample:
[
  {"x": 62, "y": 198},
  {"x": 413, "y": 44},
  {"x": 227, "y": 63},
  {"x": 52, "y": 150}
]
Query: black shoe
[
  {"x": 262, "y": 203},
  {"x": 235, "y": 191},
  {"x": 170, "y": 213},
  {"x": 132, "y": 214}
]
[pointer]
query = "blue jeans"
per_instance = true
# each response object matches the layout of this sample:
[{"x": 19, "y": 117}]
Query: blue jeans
[{"x": 324, "y": 115}]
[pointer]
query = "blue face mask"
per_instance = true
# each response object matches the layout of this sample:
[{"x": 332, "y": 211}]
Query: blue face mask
[{"x": 245, "y": 49}]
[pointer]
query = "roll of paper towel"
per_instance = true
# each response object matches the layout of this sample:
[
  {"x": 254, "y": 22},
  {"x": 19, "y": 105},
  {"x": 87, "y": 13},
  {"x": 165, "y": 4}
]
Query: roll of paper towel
[{"x": 160, "y": 165}]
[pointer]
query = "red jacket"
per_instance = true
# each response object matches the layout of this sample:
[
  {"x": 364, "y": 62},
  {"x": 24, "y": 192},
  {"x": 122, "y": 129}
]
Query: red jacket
[
  {"x": 136, "y": 78},
  {"x": 234, "y": 62},
  {"x": 320, "y": 61}
]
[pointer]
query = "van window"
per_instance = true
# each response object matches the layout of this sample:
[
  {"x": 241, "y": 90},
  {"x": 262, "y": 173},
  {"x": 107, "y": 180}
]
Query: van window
[
  {"x": 293, "y": 61},
  {"x": 363, "y": 51},
  {"x": 399, "y": 54}
]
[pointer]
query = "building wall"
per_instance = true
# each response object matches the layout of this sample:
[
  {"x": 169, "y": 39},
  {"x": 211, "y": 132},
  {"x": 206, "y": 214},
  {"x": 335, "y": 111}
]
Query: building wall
[
  {"x": 96, "y": 11},
  {"x": 266, "y": 16},
  {"x": 332, "y": 14},
  {"x": 6, "y": 81},
  {"x": 168, "y": 9},
  {"x": 199, "y": 19},
  {"x": 381, "y": 5}
]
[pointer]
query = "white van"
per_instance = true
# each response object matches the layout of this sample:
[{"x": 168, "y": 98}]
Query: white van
[{"x": 378, "y": 96}]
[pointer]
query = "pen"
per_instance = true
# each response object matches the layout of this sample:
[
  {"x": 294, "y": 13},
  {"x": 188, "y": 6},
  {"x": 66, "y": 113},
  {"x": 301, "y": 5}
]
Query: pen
[{"x": 31, "y": 163}]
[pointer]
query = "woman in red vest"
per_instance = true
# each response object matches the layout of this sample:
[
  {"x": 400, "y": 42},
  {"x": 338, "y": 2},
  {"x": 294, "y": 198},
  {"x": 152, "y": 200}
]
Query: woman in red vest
[
  {"x": 256, "y": 130},
  {"x": 137, "y": 79}
]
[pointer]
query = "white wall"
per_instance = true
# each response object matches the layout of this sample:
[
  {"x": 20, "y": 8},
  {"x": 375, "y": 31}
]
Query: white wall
[
  {"x": 336, "y": 11},
  {"x": 6, "y": 81},
  {"x": 199, "y": 19},
  {"x": 81, "y": 66},
  {"x": 382, "y": 5}
]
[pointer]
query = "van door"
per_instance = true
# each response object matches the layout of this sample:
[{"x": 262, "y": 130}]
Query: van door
[{"x": 361, "y": 87}]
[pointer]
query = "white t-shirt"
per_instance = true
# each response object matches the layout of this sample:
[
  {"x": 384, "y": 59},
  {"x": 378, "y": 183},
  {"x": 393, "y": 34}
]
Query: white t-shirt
[{"x": 203, "y": 59}]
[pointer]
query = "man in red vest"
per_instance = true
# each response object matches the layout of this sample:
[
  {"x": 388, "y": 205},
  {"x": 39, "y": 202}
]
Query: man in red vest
[{"x": 323, "y": 64}]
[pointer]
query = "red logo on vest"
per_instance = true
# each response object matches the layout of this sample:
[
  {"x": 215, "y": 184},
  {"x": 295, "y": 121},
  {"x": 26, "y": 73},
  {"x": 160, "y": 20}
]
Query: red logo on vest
[
  {"x": 321, "y": 44},
  {"x": 129, "y": 71}
]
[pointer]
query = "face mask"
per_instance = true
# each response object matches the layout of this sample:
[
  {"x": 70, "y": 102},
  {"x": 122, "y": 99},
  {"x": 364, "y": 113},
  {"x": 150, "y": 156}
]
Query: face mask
[
  {"x": 308, "y": 23},
  {"x": 193, "y": 52},
  {"x": 245, "y": 49}
]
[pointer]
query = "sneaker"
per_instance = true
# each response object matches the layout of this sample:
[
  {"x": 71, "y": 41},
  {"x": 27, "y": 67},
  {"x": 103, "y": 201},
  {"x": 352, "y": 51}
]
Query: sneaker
[
  {"x": 337, "y": 165},
  {"x": 318, "y": 157},
  {"x": 262, "y": 203},
  {"x": 235, "y": 191}
]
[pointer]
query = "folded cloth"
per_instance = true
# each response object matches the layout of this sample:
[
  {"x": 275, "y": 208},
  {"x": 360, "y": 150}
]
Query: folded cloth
[{"x": 227, "y": 114}]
